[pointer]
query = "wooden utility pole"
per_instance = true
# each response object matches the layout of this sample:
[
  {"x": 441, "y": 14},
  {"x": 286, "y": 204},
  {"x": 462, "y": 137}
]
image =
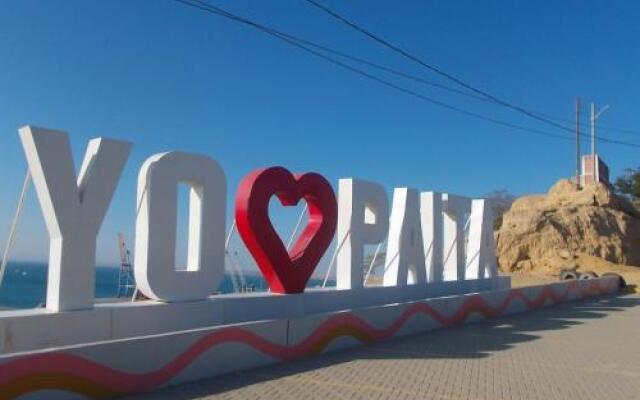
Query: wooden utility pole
[{"x": 578, "y": 142}]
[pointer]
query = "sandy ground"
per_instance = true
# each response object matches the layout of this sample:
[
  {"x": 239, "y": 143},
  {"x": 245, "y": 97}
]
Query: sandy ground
[
  {"x": 631, "y": 274},
  {"x": 523, "y": 279}
]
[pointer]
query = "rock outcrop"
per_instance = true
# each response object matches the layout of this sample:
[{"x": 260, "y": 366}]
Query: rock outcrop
[{"x": 544, "y": 233}]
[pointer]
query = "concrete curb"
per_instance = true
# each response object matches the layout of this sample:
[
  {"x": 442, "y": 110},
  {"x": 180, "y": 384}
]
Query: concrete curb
[{"x": 117, "y": 367}]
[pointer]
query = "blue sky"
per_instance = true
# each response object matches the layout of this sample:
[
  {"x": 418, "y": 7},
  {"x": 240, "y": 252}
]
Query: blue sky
[{"x": 169, "y": 77}]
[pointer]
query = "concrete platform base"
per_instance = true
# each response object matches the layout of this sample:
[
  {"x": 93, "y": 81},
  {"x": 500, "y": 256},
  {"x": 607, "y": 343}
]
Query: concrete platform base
[
  {"x": 579, "y": 350},
  {"x": 118, "y": 367}
]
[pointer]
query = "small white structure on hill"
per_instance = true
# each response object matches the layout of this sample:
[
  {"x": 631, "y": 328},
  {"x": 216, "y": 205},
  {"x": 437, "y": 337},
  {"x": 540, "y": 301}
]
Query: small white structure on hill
[{"x": 591, "y": 171}]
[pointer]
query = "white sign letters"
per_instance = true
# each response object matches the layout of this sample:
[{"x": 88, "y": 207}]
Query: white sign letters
[{"x": 430, "y": 236}]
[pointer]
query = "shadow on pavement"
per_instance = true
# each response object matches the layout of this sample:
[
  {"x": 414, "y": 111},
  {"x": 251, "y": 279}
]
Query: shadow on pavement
[{"x": 474, "y": 340}]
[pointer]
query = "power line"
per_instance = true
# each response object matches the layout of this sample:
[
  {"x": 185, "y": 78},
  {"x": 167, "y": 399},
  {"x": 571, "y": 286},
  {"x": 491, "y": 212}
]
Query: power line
[
  {"x": 533, "y": 114},
  {"x": 383, "y": 67},
  {"x": 292, "y": 40},
  {"x": 618, "y": 129},
  {"x": 433, "y": 68},
  {"x": 223, "y": 13},
  {"x": 298, "y": 42},
  {"x": 418, "y": 79},
  {"x": 351, "y": 57},
  {"x": 607, "y": 128},
  {"x": 378, "y": 66}
]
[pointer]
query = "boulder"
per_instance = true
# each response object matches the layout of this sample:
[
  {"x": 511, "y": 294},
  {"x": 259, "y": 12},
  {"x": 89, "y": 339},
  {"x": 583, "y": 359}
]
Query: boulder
[{"x": 545, "y": 233}]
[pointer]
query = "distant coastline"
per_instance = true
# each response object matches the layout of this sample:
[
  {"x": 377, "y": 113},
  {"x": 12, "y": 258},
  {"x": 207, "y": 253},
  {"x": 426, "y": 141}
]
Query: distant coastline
[{"x": 24, "y": 284}]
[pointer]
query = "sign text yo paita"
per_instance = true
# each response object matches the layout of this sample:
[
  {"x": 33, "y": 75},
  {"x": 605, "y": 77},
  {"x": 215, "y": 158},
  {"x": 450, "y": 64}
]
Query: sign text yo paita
[{"x": 429, "y": 236}]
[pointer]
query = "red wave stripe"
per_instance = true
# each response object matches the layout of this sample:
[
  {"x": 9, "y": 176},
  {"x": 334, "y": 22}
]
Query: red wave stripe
[
  {"x": 84, "y": 376},
  {"x": 124, "y": 381}
]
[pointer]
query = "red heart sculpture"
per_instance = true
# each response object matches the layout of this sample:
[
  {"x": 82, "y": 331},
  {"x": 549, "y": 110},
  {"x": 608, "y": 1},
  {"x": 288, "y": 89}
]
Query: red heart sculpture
[{"x": 285, "y": 272}]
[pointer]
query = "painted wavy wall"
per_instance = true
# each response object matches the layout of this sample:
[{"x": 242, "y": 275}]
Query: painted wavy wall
[{"x": 112, "y": 368}]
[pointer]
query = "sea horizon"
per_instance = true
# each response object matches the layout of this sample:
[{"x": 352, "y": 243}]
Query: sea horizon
[{"x": 24, "y": 283}]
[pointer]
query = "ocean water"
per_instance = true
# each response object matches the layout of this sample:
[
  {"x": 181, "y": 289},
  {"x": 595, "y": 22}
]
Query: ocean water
[{"x": 24, "y": 284}]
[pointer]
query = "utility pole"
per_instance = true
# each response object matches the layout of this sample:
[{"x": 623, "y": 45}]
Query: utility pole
[
  {"x": 594, "y": 117},
  {"x": 578, "y": 143},
  {"x": 593, "y": 131}
]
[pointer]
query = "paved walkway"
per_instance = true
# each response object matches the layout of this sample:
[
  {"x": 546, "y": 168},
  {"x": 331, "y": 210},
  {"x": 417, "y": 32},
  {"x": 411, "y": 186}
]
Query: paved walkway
[{"x": 585, "y": 350}]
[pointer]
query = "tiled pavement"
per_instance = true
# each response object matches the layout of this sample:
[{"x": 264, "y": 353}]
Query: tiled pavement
[{"x": 584, "y": 350}]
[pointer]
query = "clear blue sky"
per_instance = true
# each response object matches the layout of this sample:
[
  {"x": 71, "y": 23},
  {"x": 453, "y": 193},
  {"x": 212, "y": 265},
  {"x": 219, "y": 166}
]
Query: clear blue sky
[{"x": 169, "y": 77}]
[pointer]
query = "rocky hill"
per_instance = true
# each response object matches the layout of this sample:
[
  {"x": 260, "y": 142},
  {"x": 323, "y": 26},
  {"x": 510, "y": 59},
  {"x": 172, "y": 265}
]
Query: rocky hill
[{"x": 569, "y": 228}]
